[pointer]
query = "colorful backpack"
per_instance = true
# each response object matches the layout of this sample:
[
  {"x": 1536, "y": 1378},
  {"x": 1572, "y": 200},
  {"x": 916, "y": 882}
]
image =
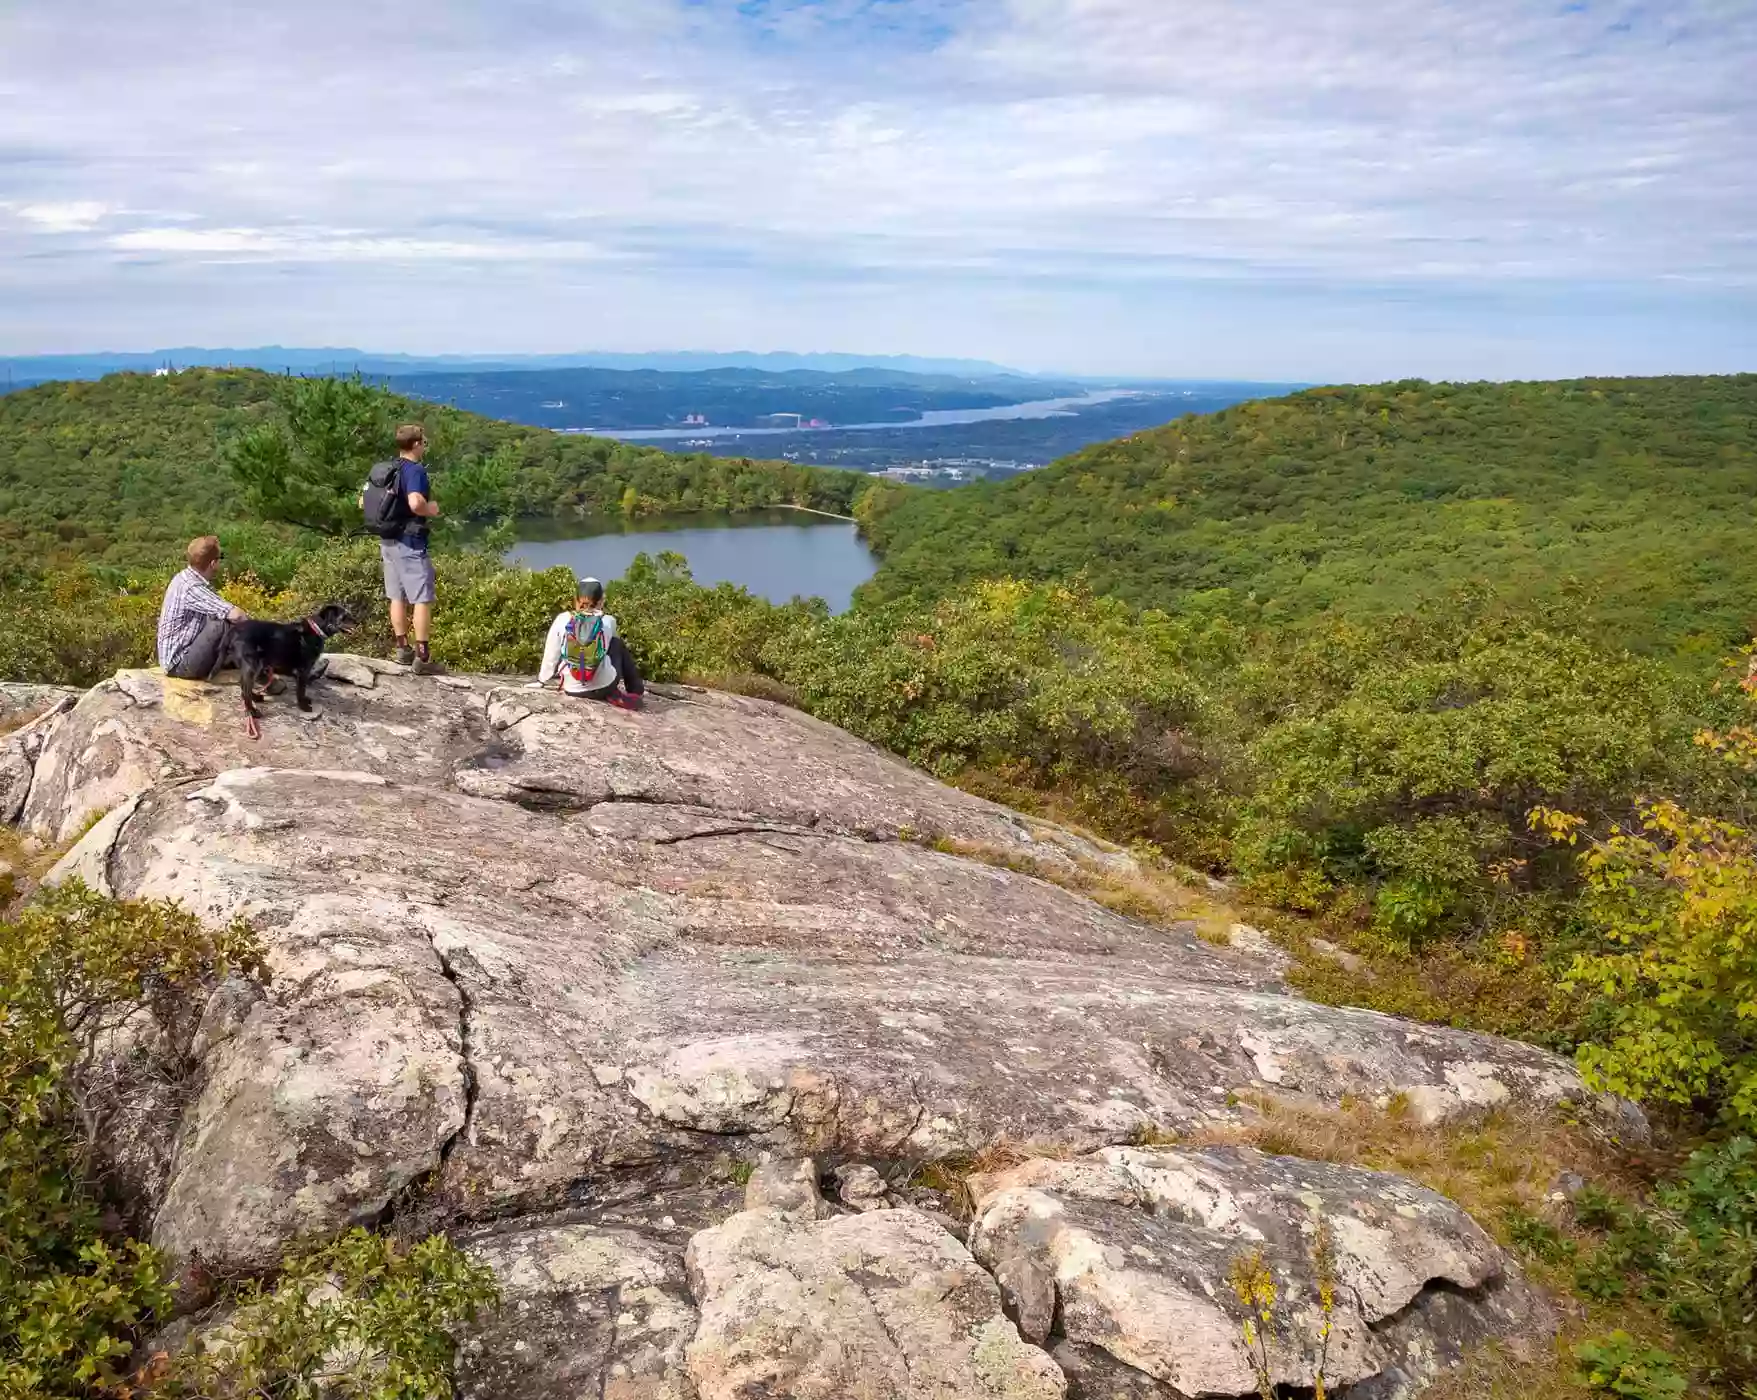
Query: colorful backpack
[{"x": 583, "y": 648}]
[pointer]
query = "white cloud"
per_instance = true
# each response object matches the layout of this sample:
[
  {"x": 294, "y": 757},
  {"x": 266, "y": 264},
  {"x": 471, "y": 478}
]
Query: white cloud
[
  {"x": 341, "y": 245},
  {"x": 73, "y": 216}
]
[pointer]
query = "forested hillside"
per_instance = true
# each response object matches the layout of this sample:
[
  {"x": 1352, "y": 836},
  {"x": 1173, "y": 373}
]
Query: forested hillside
[
  {"x": 123, "y": 470},
  {"x": 1364, "y": 500}
]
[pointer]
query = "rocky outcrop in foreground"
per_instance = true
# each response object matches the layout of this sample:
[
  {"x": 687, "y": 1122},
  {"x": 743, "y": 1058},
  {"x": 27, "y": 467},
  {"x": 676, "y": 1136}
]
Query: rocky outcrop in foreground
[{"x": 559, "y": 978}]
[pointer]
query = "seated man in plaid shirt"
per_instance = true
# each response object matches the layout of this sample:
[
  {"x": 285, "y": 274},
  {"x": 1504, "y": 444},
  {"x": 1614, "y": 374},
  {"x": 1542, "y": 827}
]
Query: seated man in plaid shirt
[{"x": 194, "y": 620}]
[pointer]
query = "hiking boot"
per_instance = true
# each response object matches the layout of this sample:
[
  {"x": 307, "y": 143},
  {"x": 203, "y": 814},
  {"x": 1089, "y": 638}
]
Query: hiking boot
[
  {"x": 429, "y": 667},
  {"x": 404, "y": 656},
  {"x": 629, "y": 701}
]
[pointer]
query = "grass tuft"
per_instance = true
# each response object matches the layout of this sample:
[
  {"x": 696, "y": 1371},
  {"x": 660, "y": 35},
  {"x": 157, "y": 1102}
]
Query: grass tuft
[{"x": 1156, "y": 894}]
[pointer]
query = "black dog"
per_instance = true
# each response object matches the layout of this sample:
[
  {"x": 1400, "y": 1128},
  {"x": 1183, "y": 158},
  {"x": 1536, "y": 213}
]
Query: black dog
[{"x": 259, "y": 649}]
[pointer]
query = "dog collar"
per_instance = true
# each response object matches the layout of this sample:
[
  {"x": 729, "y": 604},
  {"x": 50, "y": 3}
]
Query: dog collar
[{"x": 316, "y": 630}]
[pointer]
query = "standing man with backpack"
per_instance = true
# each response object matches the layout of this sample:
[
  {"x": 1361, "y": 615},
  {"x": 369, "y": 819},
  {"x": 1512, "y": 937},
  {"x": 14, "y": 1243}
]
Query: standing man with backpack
[{"x": 397, "y": 509}]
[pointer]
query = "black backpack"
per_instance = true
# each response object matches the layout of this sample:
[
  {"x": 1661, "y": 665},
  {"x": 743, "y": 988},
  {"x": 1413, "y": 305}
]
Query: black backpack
[{"x": 384, "y": 503}]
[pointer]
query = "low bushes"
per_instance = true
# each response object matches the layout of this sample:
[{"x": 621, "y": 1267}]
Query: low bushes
[
  {"x": 76, "y": 626},
  {"x": 1690, "y": 1252},
  {"x": 1670, "y": 911},
  {"x": 1044, "y": 679},
  {"x": 1687, "y": 1253},
  {"x": 1399, "y": 762},
  {"x": 357, "y": 1319}
]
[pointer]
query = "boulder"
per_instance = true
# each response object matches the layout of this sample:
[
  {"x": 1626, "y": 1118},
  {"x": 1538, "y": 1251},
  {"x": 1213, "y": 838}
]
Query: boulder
[
  {"x": 142, "y": 730},
  {"x": 730, "y": 753},
  {"x": 885, "y": 1306},
  {"x": 861, "y": 1188},
  {"x": 21, "y": 701},
  {"x": 787, "y": 1185},
  {"x": 536, "y": 1002},
  {"x": 1123, "y": 1262}
]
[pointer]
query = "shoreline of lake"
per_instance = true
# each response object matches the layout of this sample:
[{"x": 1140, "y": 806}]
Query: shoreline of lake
[{"x": 776, "y": 552}]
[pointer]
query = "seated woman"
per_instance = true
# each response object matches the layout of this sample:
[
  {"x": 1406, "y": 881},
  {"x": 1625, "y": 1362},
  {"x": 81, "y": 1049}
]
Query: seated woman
[{"x": 586, "y": 651}]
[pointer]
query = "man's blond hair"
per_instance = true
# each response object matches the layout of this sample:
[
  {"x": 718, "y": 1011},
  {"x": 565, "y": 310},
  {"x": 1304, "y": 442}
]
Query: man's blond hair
[
  {"x": 410, "y": 435},
  {"x": 203, "y": 553}
]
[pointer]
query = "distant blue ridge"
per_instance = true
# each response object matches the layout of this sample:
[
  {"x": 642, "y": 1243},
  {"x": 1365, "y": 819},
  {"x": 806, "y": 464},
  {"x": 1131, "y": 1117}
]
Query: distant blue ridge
[{"x": 27, "y": 369}]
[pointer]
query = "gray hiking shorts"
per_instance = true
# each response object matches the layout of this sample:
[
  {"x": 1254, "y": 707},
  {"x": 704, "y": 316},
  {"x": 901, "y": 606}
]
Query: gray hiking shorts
[{"x": 408, "y": 572}]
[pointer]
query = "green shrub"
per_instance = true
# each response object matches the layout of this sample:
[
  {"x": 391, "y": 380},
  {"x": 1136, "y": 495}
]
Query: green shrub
[
  {"x": 1671, "y": 907},
  {"x": 1539, "y": 1238},
  {"x": 1707, "y": 1273},
  {"x": 76, "y": 626},
  {"x": 680, "y": 630},
  {"x": 356, "y": 1319},
  {"x": 1690, "y": 1253},
  {"x": 1619, "y": 1365},
  {"x": 495, "y": 620},
  {"x": 359, "y": 1317},
  {"x": 1047, "y": 680}
]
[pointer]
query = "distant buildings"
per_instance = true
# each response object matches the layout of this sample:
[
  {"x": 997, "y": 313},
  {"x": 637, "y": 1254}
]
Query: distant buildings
[
  {"x": 948, "y": 470},
  {"x": 695, "y": 420},
  {"x": 925, "y": 473},
  {"x": 792, "y": 420}
]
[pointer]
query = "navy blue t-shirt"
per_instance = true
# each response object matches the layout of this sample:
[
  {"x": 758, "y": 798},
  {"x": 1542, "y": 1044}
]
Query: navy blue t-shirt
[{"x": 415, "y": 483}]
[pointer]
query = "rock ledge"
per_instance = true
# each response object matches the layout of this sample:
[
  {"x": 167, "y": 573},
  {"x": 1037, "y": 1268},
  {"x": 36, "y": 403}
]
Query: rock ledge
[{"x": 565, "y": 973}]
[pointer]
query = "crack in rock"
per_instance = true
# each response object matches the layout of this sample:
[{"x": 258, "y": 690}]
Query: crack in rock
[
  {"x": 554, "y": 801},
  {"x": 466, "y": 1009},
  {"x": 753, "y": 829}
]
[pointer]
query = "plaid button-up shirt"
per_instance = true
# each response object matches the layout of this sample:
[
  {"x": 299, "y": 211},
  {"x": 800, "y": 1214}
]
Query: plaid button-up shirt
[{"x": 189, "y": 602}]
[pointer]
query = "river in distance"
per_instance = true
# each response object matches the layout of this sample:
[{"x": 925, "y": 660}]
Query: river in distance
[
  {"x": 776, "y": 554},
  {"x": 932, "y": 418}
]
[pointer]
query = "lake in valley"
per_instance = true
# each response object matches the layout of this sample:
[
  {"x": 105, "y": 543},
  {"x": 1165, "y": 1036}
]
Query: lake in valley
[{"x": 776, "y": 554}]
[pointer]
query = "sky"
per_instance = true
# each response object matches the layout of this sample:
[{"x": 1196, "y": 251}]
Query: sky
[{"x": 1265, "y": 189}]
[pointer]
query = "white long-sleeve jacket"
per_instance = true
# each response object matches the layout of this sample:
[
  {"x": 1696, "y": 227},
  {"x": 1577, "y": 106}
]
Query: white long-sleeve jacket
[{"x": 602, "y": 679}]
